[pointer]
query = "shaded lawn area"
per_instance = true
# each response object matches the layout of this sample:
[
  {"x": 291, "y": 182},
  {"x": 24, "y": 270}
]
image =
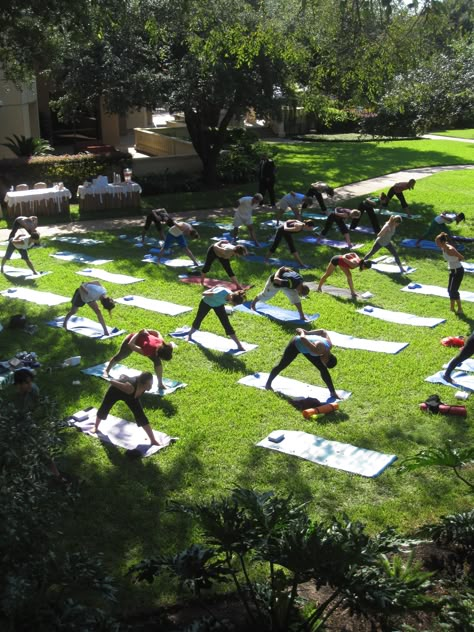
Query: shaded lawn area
[
  {"x": 457, "y": 133},
  {"x": 122, "y": 505}
]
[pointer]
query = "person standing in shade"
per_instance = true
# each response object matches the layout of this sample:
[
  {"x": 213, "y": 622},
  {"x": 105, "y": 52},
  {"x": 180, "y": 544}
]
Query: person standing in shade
[
  {"x": 339, "y": 215},
  {"x": 456, "y": 271},
  {"x": 223, "y": 251},
  {"x": 439, "y": 222},
  {"x": 465, "y": 353},
  {"x": 346, "y": 263},
  {"x": 148, "y": 343},
  {"x": 316, "y": 347},
  {"x": 266, "y": 178},
  {"x": 216, "y": 299},
  {"x": 316, "y": 190},
  {"x": 177, "y": 233},
  {"x": 243, "y": 215},
  {"x": 159, "y": 217},
  {"x": 286, "y": 232},
  {"x": 290, "y": 283},
  {"x": 128, "y": 390},
  {"x": 398, "y": 190},
  {"x": 88, "y": 294},
  {"x": 367, "y": 206},
  {"x": 28, "y": 223},
  {"x": 22, "y": 244},
  {"x": 384, "y": 240}
]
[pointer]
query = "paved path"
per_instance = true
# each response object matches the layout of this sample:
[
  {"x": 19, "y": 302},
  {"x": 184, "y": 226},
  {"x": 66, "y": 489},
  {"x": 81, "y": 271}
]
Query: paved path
[
  {"x": 455, "y": 138},
  {"x": 365, "y": 187}
]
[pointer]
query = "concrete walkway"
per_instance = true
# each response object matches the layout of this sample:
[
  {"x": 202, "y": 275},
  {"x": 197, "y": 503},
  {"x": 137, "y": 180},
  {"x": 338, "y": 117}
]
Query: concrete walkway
[
  {"x": 365, "y": 187},
  {"x": 455, "y": 138}
]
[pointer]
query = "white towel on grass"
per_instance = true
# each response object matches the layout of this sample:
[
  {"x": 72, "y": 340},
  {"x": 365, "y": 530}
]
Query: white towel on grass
[
  {"x": 103, "y": 275},
  {"x": 154, "y": 305},
  {"x": 120, "y": 432},
  {"x": 341, "y": 456},
  {"x": 212, "y": 341},
  {"x": 365, "y": 344},
  {"x": 401, "y": 318},
  {"x": 292, "y": 388},
  {"x": 435, "y": 290},
  {"x": 34, "y": 296},
  {"x": 459, "y": 379},
  {"x": 22, "y": 273},
  {"x": 391, "y": 268}
]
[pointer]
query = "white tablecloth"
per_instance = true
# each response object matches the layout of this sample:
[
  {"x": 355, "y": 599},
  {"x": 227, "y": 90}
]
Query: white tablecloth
[
  {"x": 109, "y": 189},
  {"x": 32, "y": 195}
]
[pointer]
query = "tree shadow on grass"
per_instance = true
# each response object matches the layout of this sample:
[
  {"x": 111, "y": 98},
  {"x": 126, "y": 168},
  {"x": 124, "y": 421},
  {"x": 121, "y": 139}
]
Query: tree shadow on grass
[{"x": 225, "y": 361}]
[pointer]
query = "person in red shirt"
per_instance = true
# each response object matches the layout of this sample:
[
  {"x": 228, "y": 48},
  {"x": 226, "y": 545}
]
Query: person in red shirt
[
  {"x": 398, "y": 190},
  {"x": 148, "y": 343}
]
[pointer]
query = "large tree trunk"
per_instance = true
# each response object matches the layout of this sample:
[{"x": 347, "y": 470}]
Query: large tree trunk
[{"x": 208, "y": 138}]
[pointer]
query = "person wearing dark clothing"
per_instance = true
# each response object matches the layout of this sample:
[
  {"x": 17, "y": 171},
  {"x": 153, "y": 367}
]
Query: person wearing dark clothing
[
  {"x": 316, "y": 190},
  {"x": 159, "y": 217},
  {"x": 223, "y": 251},
  {"x": 339, "y": 215},
  {"x": 266, "y": 178},
  {"x": 466, "y": 352},
  {"x": 397, "y": 190},
  {"x": 367, "y": 206},
  {"x": 285, "y": 232},
  {"x": 316, "y": 346}
]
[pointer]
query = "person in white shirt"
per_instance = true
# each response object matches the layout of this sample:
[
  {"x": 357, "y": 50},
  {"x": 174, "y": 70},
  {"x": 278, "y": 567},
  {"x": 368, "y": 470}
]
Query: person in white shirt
[
  {"x": 439, "y": 223},
  {"x": 88, "y": 294},
  {"x": 290, "y": 201},
  {"x": 243, "y": 215},
  {"x": 22, "y": 244}
]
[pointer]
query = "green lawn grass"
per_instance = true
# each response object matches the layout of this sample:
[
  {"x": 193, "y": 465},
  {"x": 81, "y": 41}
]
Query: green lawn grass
[
  {"x": 457, "y": 133},
  {"x": 122, "y": 507}
]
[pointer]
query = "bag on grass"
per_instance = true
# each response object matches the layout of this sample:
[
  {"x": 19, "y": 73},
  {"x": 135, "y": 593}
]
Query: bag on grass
[{"x": 18, "y": 321}]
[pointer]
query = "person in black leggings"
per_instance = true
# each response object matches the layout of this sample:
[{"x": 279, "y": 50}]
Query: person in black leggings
[
  {"x": 128, "y": 390},
  {"x": 367, "y": 206},
  {"x": 159, "y": 217},
  {"x": 339, "y": 215},
  {"x": 466, "y": 352},
  {"x": 316, "y": 190},
  {"x": 223, "y": 250},
  {"x": 285, "y": 232}
]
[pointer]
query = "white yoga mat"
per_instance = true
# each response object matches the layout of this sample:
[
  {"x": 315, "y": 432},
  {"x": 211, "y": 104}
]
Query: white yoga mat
[
  {"x": 341, "y": 456},
  {"x": 401, "y": 318},
  {"x": 120, "y": 432},
  {"x": 459, "y": 378},
  {"x": 468, "y": 266},
  {"x": 392, "y": 268},
  {"x": 153, "y": 305},
  {"x": 365, "y": 344},
  {"x": 79, "y": 241},
  {"x": 119, "y": 369},
  {"x": 292, "y": 388},
  {"x": 103, "y": 275},
  {"x": 77, "y": 257},
  {"x": 22, "y": 273},
  {"x": 435, "y": 290},
  {"x": 33, "y": 296},
  {"x": 467, "y": 365},
  {"x": 212, "y": 341},
  {"x": 86, "y": 327},
  {"x": 170, "y": 263}
]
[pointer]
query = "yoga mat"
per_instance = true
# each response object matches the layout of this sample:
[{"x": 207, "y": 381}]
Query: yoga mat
[
  {"x": 196, "y": 280},
  {"x": 364, "y": 230},
  {"x": 249, "y": 243},
  {"x": 340, "y": 292},
  {"x": 170, "y": 263},
  {"x": 435, "y": 290},
  {"x": 272, "y": 261},
  {"x": 119, "y": 369},
  {"x": 392, "y": 268},
  {"x": 77, "y": 257},
  {"x": 458, "y": 379},
  {"x": 388, "y": 213},
  {"x": 85, "y": 327},
  {"x": 468, "y": 266},
  {"x": 79, "y": 241},
  {"x": 212, "y": 341},
  {"x": 293, "y": 389},
  {"x": 137, "y": 241},
  {"x": 322, "y": 241},
  {"x": 400, "y": 318},
  {"x": 424, "y": 245},
  {"x": 121, "y": 433},
  {"x": 103, "y": 275},
  {"x": 341, "y": 456},
  {"x": 15, "y": 255},
  {"x": 351, "y": 342},
  {"x": 275, "y": 313},
  {"x": 466, "y": 365},
  {"x": 22, "y": 273},
  {"x": 153, "y": 305},
  {"x": 33, "y": 296}
]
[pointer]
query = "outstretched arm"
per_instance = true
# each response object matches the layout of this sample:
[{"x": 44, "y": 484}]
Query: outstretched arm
[{"x": 100, "y": 317}]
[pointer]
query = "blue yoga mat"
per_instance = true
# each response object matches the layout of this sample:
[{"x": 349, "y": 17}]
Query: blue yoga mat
[
  {"x": 120, "y": 369},
  {"x": 275, "y": 313},
  {"x": 424, "y": 245}
]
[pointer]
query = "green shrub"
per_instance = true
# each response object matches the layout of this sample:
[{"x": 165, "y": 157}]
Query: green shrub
[
  {"x": 160, "y": 183},
  {"x": 238, "y": 162},
  {"x": 25, "y": 147}
]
